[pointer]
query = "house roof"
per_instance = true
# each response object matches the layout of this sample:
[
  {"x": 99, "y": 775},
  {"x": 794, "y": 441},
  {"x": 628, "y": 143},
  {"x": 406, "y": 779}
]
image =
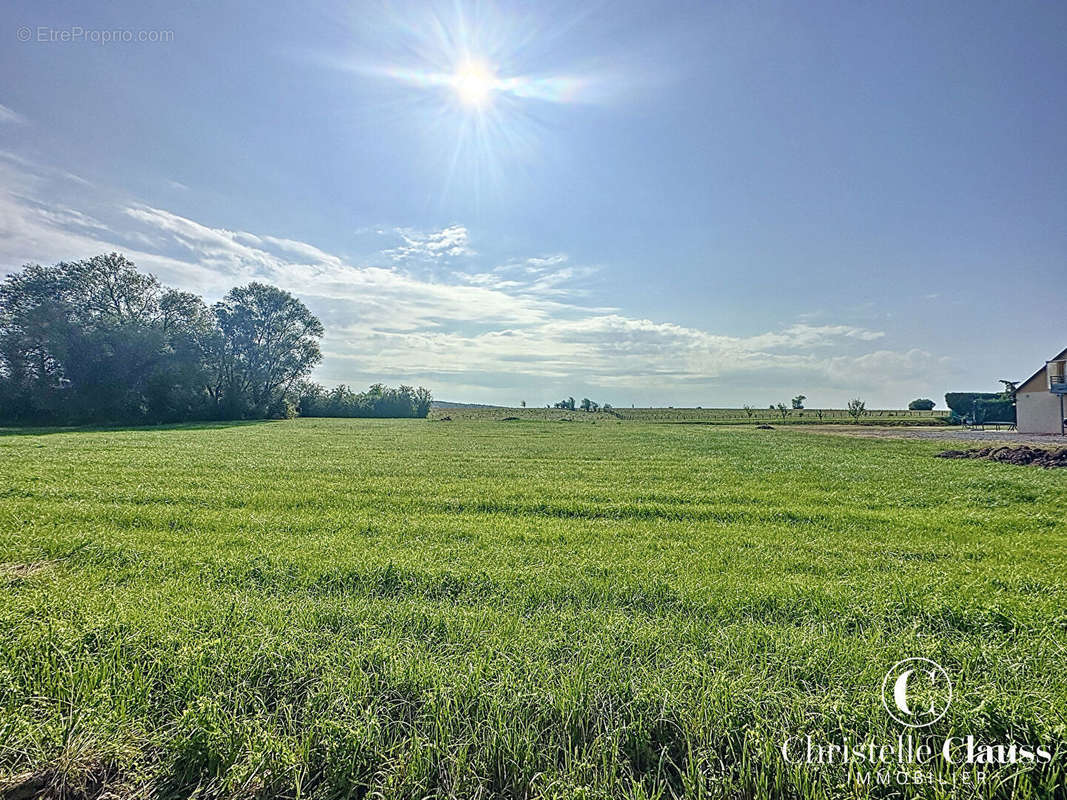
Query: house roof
[{"x": 1062, "y": 354}]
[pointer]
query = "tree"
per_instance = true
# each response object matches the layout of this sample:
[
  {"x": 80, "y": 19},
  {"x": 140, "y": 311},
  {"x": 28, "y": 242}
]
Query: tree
[
  {"x": 270, "y": 340},
  {"x": 921, "y": 404},
  {"x": 748, "y": 410},
  {"x": 522, "y": 404},
  {"x": 782, "y": 409},
  {"x": 798, "y": 401},
  {"x": 856, "y": 408},
  {"x": 587, "y": 404},
  {"x": 378, "y": 401},
  {"x": 97, "y": 340}
]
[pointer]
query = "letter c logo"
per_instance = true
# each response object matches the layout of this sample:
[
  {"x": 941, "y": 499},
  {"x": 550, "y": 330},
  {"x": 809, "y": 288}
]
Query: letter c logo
[{"x": 898, "y": 697}]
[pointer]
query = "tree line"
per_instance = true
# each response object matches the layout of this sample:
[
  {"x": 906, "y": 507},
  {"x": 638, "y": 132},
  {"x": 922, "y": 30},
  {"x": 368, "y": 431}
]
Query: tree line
[
  {"x": 568, "y": 404},
  {"x": 378, "y": 401},
  {"x": 97, "y": 341}
]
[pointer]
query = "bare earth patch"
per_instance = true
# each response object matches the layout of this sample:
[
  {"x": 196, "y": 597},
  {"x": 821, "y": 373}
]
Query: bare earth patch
[
  {"x": 1021, "y": 456},
  {"x": 13, "y": 569}
]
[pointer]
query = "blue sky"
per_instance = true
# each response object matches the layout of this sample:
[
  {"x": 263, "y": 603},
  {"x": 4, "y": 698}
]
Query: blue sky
[{"x": 706, "y": 203}]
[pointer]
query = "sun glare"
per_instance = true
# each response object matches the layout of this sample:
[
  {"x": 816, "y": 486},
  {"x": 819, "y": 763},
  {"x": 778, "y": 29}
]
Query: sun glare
[{"x": 474, "y": 83}]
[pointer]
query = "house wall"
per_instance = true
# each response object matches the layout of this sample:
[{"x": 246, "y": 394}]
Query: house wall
[
  {"x": 1038, "y": 382},
  {"x": 1037, "y": 412}
]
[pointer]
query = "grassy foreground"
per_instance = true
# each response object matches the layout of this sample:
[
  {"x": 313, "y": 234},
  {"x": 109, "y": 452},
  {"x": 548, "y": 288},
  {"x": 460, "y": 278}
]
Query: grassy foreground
[{"x": 350, "y": 608}]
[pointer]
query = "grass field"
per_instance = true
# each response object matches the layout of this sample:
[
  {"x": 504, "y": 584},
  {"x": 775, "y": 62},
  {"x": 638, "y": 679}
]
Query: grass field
[{"x": 365, "y": 608}]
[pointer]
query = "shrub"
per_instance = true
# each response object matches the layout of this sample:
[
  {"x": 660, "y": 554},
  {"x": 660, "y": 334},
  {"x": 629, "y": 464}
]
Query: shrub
[
  {"x": 378, "y": 401},
  {"x": 282, "y": 408},
  {"x": 994, "y": 411},
  {"x": 963, "y": 402}
]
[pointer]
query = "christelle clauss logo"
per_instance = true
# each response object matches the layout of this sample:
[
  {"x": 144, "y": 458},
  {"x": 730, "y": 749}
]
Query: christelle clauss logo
[{"x": 917, "y": 693}]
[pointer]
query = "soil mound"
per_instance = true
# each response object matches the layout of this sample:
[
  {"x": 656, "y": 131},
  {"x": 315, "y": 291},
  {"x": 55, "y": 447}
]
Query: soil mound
[
  {"x": 765, "y": 427},
  {"x": 1022, "y": 456}
]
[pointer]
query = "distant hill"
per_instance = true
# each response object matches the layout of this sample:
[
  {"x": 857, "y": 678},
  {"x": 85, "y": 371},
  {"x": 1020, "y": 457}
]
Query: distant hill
[{"x": 446, "y": 404}]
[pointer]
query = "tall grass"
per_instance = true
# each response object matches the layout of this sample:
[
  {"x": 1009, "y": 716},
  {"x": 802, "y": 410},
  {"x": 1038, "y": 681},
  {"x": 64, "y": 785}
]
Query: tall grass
[{"x": 358, "y": 608}]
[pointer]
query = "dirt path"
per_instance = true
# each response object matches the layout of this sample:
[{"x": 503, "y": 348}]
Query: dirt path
[{"x": 944, "y": 434}]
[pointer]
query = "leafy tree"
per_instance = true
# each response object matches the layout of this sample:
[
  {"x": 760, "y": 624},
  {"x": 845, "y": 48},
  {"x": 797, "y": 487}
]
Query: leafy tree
[
  {"x": 97, "y": 340},
  {"x": 921, "y": 404},
  {"x": 782, "y": 409},
  {"x": 798, "y": 401},
  {"x": 856, "y": 408},
  {"x": 270, "y": 340},
  {"x": 378, "y": 401}
]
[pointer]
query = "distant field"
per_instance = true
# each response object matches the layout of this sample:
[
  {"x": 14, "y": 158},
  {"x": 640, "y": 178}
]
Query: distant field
[
  {"x": 409, "y": 609},
  {"x": 706, "y": 416}
]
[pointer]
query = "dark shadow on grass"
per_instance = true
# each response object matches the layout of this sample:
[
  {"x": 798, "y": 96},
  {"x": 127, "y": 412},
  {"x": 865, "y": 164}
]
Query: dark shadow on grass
[{"x": 208, "y": 425}]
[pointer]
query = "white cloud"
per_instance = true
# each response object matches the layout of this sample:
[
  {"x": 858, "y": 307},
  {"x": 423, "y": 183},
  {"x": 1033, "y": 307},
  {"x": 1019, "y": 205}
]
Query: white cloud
[
  {"x": 32, "y": 168},
  {"x": 517, "y": 324},
  {"x": 545, "y": 263},
  {"x": 9, "y": 115},
  {"x": 434, "y": 245}
]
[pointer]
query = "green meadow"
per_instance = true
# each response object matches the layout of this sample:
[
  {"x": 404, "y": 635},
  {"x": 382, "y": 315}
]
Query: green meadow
[{"x": 530, "y": 609}]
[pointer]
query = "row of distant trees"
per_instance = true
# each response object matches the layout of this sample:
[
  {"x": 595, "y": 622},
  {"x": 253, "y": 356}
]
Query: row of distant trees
[
  {"x": 378, "y": 401},
  {"x": 585, "y": 405},
  {"x": 856, "y": 408},
  {"x": 99, "y": 341}
]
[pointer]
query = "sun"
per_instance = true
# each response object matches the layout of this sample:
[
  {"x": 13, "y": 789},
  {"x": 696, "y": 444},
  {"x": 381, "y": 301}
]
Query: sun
[{"x": 474, "y": 83}]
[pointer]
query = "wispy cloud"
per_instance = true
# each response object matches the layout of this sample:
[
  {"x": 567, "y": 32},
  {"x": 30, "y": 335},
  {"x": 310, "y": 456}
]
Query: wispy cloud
[
  {"x": 523, "y": 322},
  {"x": 9, "y": 115},
  {"x": 431, "y": 246},
  {"x": 31, "y": 167}
]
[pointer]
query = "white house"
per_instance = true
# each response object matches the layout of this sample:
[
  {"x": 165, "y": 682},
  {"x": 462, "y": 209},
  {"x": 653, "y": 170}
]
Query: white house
[{"x": 1039, "y": 400}]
